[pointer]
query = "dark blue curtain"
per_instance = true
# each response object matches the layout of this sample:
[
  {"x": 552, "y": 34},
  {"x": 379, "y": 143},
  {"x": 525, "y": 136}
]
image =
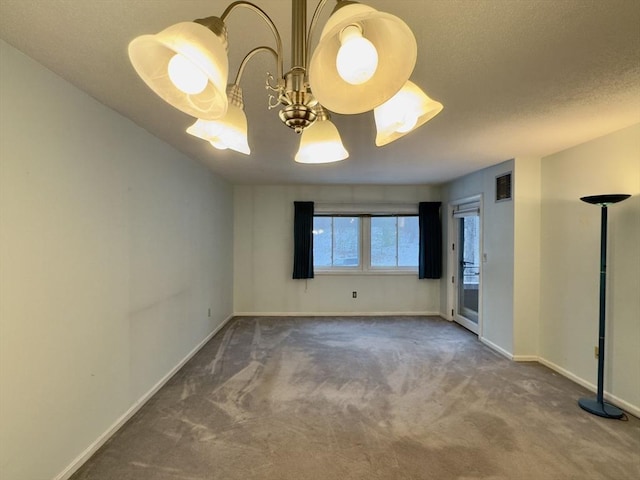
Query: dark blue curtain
[
  {"x": 303, "y": 240},
  {"x": 430, "y": 257}
]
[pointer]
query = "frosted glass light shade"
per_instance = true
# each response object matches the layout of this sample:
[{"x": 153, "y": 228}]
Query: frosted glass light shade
[
  {"x": 321, "y": 143},
  {"x": 397, "y": 53},
  {"x": 206, "y": 52},
  {"x": 228, "y": 132},
  {"x": 404, "y": 112}
]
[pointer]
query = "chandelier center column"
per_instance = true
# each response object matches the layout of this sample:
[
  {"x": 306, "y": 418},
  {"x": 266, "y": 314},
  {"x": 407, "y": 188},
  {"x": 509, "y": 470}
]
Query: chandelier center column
[
  {"x": 298, "y": 34},
  {"x": 298, "y": 112}
]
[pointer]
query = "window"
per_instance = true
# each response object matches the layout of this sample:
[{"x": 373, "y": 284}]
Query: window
[
  {"x": 365, "y": 243},
  {"x": 336, "y": 242}
]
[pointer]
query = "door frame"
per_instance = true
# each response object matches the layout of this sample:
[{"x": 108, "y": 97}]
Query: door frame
[{"x": 452, "y": 263}]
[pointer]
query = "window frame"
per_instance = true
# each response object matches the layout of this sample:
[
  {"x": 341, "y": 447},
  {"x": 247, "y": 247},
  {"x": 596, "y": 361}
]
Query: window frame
[{"x": 364, "y": 266}]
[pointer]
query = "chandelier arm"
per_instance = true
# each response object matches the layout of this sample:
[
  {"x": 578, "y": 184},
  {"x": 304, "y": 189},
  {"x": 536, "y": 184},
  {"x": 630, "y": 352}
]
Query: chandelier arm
[
  {"x": 262, "y": 14},
  {"x": 249, "y": 56},
  {"x": 312, "y": 27}
]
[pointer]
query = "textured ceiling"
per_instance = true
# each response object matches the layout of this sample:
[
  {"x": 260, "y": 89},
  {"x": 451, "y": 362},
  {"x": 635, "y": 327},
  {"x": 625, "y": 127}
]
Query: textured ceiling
[{"x": 516, "y": 77}]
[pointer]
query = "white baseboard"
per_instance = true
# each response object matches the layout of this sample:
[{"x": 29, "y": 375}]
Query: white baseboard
[
  {"x": 101, "y": 440},
  {"x": 495, "y": 347},
  {"x": 618, "y": 402},
  {"x": 336, "y": 314},
  {"x": 526, "y": 358},
  {"x": 623, "y": 404}
]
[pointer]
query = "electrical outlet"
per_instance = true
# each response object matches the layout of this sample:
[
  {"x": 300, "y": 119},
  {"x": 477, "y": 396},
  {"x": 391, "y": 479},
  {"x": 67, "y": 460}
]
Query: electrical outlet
[
  {"x": 354, "y": 294},
  {"x": 596, "y": 352}
]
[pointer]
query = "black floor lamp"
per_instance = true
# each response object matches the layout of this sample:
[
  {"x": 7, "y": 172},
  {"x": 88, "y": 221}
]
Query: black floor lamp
[{"x": 598, "y": 406}]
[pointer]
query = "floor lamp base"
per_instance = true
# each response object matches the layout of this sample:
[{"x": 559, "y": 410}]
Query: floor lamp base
[{"x": 603, "y": 409}]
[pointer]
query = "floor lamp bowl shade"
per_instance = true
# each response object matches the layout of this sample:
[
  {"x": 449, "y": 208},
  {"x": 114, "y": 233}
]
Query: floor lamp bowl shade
[
  {"x": 397, "y": 52},
  {"x": 606, "y": 199},
  {"x": 204, "y": 51}
]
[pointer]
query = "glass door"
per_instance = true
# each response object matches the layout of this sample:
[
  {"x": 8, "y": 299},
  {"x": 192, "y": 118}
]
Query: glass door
[{"x": 468, "y": 272}]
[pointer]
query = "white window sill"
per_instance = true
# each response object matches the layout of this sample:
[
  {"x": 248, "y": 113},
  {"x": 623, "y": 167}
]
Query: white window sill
[{"x": 365, "y": 272}]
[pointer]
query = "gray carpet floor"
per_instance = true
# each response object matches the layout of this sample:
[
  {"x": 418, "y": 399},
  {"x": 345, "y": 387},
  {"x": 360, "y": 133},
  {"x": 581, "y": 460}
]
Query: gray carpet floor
[{"x": 364, "y": 398}]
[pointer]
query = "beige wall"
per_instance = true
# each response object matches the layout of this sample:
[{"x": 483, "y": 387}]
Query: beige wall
[
  {"x": 570, "y": 247},
  {"x": 498, "y": 245},
  {"x": 263, "y": 258},
  {"x": 526, "y": 264},
  {"x": 113, "y": 247}
]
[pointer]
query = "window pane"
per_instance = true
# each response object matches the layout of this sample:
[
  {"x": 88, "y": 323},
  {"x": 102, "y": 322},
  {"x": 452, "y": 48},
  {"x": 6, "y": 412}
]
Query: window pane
[
  {"x": 383, "y": 241},
  {"x": 408, "y": 241},
  {"x": 346, "y": 232},
  {"x": 322, "y": 241}
]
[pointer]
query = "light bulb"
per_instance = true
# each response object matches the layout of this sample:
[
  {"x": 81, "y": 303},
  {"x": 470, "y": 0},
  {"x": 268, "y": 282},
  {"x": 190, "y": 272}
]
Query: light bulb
[
  {"x": 357, "y": 58},
  {"x": 229, "y": 132},
  {"x": 407, "y": 122},
  {"x": 404, "y": 112},
  {"x": 186, "y": 76},
  {"x": 219, "y": 144}
]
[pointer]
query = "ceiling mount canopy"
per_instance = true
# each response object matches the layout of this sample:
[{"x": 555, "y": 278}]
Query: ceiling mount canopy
[{"x": 363, "y": 62}]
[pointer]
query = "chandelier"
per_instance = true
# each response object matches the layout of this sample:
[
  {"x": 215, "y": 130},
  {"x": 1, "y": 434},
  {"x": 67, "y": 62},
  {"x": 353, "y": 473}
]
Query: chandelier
[{"x": 362, "y": 62}]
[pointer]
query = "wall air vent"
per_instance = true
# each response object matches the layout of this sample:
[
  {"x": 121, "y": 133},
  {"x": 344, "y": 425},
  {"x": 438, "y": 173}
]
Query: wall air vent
[{"x": 503, "y": 187}]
